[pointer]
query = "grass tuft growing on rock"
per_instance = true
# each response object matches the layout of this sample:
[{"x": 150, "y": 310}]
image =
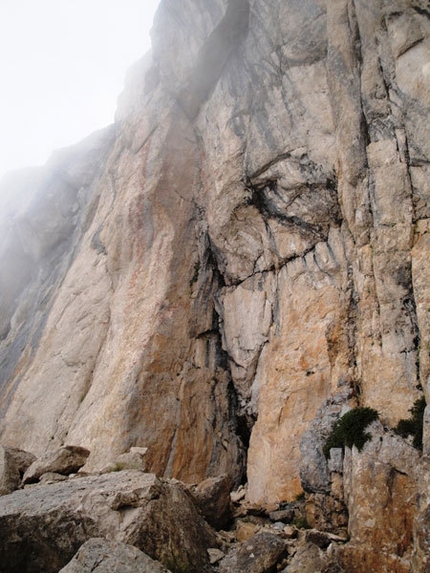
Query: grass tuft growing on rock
[
  {"x": 301, "y": 523},
  {"x": 349, "y": 430},
  {"x": 413, "y": 426}
]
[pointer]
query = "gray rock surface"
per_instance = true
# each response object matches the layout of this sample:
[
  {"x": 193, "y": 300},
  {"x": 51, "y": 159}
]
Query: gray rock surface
[
  {"x": 13, "y": 464},
  {"x": 258, "y": 554},
  {"x": 43, "y": 526},
  {"x": 314, "y": 468},
  {"x": 102, "y": 556},
  {"x": 248, "y": 241},
  {"x": 66, "y": 460},
  {"x": 212, "y": 497},
  {"x": 381, "y": 486},
  {"x": 309, "y": 558}
]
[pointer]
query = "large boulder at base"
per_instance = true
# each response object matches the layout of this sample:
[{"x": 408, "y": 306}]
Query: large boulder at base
[
  {"x": 13, "y": 464},
  {"x": 259, "y": 554},
  {"x": 212, "y": 497},
  {"x": 65, "y": 461},
  {"x": 309, "y": 558},
  {"x": 43, "y": 526},
  {"x": 102, "y": 556}
]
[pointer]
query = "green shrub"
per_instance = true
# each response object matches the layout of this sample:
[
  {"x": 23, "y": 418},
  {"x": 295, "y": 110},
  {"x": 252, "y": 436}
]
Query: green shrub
[
  {"x": 414, "y": 425},
  {"x": 301, "y": 523},
  {"x": 349, "y": 430}
]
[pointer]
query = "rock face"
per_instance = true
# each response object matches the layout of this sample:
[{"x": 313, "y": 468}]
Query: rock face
[{"x": 248, "y": 243}]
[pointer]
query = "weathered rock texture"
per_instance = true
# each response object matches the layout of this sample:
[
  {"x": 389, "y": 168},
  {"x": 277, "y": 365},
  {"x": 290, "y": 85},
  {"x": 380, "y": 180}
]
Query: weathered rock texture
[
  {"x": 258, "y": 554},
  {"x": 250, "y": 240},
  {"x": 13, "y": 465},
  {"x": 65, "y": 461},
  {"x": 42, "y": 527},
  {"x": 101, "y": 556}
]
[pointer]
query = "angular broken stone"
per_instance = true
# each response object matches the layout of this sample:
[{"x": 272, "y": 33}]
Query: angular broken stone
[
  {"x": 245, "y": 530},
  {"x": 318, "y": 538},
  {"x": 131, "y": 460},
  {"x": 213, "y": 498},
  {"x": 42, "y": 527},
  {"x": 309, "y": 559},
  {"x": 52, "y": 477},
  {"x": 284, "y": 515},
  {"x": 238, "y": 495},
  {"x": 13, "y": 464},
  {"x": 259, "y": 554},
  {"x": 65, "y": 461},
  {"x": 289, "y": 532},
  {"x": 101, "y": 556},
  {"x": 215, "y": 555}
]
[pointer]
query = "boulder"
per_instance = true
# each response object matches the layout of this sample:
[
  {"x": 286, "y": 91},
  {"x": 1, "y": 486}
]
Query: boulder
[
  {"x": 212, "y": 496},
  {"x": 259, "y": 554},
  {"x": 51, "y": 477},
  {"x": 318, "y": 538},
  {"x": 284, "y": 515},
  {"x": 311, "y": 559},
  {"x": 43, "y": 526},
  {"x": 215, "y": 555},
  {"x": 237, "y": 495},
  {"x": 102, "y": 556},
  {"x": 13, "y": 464},
  {"x": 66, "y": 460},
  {"x": 245, "y": 530},
  {"x": 134, "y": 459}
]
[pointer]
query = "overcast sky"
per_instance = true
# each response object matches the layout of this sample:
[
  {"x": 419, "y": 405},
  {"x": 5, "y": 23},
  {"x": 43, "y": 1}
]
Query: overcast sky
[{"x": 62, "y": 67}]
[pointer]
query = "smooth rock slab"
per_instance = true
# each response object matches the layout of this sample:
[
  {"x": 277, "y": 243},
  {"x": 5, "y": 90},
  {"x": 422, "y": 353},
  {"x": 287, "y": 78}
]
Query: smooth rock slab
[
  {"x": 43, "y": 526},
  {"x": 102, "y": 556}
]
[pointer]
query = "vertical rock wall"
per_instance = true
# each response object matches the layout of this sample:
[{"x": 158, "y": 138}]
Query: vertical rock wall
[{"x": 254, "y": 245}]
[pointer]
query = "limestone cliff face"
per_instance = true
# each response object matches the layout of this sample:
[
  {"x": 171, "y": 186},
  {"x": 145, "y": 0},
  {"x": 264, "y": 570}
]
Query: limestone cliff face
[{"x": 245, "y": 248}]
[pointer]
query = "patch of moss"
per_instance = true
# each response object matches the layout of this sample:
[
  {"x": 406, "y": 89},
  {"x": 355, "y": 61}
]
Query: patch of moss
[
  {"x": 413, "y": 426},
  {"x": 176, "y": 564},
  {"x": 301, "y": 523},
  {"x": 117, "y": 467},
  {"x": 349, "y": 430}
]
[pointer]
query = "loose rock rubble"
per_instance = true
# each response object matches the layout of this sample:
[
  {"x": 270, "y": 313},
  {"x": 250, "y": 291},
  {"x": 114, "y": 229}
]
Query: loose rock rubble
[{"x": 129, "y": 521}]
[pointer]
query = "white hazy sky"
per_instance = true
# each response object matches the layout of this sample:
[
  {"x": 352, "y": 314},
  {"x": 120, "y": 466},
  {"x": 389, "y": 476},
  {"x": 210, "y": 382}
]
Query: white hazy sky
[{"x": 62, "y": 67}]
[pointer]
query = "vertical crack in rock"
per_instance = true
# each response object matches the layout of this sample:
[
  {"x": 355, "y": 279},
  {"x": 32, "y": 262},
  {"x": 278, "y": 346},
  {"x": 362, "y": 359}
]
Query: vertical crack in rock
[
  {"x": 252, "y": 263},
  {"x": 213, "y": 56}
]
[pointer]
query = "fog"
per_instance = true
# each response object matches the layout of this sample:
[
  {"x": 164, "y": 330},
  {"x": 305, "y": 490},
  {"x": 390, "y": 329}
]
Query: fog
[{"x": 63, "y": 64}]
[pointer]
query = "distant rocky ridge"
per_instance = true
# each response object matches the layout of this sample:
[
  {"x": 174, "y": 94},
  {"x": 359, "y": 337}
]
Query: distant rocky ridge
[{"x": 239, "y": 260}]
